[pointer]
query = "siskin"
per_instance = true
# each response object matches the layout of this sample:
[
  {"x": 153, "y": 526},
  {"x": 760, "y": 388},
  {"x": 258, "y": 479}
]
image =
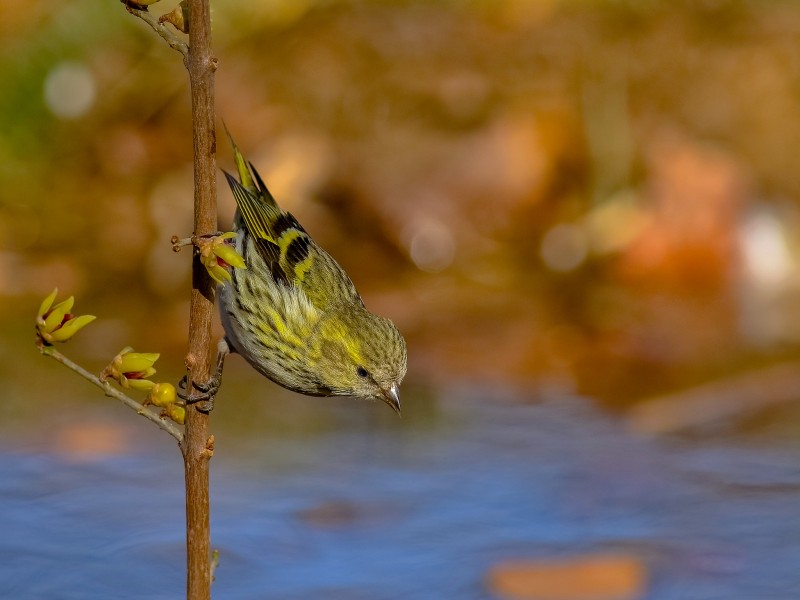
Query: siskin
[{"x": 294, "y": 314}]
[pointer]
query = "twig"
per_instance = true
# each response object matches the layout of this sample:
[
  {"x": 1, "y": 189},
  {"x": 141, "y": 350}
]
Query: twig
[
  {"x": 196, "y": 240},
  {"x": 167, "y": 426},
  {"x": 163, "y": 31},
  {"x": 198, "y": 447}
]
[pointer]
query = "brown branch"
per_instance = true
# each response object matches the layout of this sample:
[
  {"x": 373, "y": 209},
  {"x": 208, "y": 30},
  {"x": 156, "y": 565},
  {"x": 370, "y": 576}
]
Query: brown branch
[
  {"x": 198, "y": 445},
  {"x": 164, "y": 424},
  {"x": 162, "y": 30}
]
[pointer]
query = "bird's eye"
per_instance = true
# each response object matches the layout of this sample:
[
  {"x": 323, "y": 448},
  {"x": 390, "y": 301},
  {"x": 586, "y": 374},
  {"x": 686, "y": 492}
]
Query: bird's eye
[{"x": 362, "y": 372}]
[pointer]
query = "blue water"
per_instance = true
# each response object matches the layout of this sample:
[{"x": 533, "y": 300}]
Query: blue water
[{"x": 378, "y": 510}]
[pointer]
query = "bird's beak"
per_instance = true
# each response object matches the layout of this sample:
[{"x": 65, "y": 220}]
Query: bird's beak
[{"x": 392, "y": 398}]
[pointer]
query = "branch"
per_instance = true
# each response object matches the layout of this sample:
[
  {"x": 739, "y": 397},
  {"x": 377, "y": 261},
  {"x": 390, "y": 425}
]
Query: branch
[
  {"x": 167, "y": 426},
  {"x": 198, "y": 447},
  {"x": 162, "y": 30}
]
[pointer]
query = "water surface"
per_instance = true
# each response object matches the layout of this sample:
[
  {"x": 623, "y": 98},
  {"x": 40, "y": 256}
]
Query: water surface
[{"x": 370, "y": 508}]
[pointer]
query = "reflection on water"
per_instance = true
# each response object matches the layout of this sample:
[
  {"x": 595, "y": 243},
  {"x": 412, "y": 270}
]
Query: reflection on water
[{"x": 384, "y": 509}]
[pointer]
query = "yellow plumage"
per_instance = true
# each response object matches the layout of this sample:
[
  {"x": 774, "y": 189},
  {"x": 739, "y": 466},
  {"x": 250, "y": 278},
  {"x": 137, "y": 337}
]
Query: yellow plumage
[{"x": 294, "y": 314}]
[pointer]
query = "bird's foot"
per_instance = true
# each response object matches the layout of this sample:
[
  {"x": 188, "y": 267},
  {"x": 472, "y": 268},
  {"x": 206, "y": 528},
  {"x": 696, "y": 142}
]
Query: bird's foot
[{"x": 204, "y": 400}]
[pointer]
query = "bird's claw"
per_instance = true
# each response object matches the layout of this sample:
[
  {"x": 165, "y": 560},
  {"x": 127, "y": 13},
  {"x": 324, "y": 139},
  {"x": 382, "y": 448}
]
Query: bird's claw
[{"x": 204, "y": 401}]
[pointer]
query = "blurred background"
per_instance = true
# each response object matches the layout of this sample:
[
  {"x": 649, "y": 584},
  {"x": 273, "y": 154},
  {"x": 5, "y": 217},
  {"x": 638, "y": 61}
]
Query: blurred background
[{"x": 584, "y": 218}]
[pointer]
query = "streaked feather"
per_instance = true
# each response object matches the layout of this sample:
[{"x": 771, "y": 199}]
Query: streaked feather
[{"x": 294, "y": 314}]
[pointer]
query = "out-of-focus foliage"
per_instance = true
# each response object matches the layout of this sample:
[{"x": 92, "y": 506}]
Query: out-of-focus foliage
[{"x": 596, "y": 194}]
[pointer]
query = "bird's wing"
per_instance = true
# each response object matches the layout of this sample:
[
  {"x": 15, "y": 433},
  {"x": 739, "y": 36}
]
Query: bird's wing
[{"x": 292, "y": 256}]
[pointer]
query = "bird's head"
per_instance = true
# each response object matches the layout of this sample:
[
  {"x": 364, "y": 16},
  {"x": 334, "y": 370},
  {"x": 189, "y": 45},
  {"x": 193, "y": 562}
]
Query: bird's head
[{"x": 362, "y": 355}]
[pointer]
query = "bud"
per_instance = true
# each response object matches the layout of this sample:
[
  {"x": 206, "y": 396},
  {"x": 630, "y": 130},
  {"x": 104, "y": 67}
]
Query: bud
[
  {"x": 178, "y": 17},
  {"x": 217, "y": 256},
  {"x": 226, "y": 252},
  {"x": 56, "y": 323},
  {"x": 161, "y": 394},
  {"x": 138, "y": 384},
  {"x": 136, "y": 364},
  {"x": 131, "y": 369},
  {"x": 176, "y": 412}
]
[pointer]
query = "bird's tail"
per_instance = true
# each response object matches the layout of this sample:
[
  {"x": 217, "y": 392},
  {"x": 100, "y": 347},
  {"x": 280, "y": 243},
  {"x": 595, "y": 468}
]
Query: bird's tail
[
  {"x": 242, "y": 167},
  {"x": 259, "y": 210}
]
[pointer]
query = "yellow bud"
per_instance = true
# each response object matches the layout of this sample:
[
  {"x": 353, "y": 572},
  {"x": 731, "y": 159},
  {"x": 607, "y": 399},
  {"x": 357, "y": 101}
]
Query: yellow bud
[
  {"x": 55, "y": 323},
  {"x": 131, "y": 369},
  {"x": 47, "y": 303},
  {"x": 162, "y": 394},
  {"x": 136, "y": 362},
  {"x": 70, "y": 328},
  {"x": 137, "y": 384},
  {"x": 56, "y": 315},
  {"x": 229, "y": 255},
  {"x": 216, "y": 256},
  {"x": 176, "y": 413},
  {"x": 218, "y": 273}
]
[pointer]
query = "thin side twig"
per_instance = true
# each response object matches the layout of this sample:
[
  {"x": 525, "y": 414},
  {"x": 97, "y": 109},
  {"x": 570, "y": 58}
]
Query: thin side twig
[
  {"x": 195, "y": 240},
  {"x": 162, "y": 30},
  {"x": 164, "y": 424}
]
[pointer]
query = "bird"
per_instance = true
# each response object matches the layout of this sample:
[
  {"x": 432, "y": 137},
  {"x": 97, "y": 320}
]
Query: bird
[{"x": 294, "y": 314}]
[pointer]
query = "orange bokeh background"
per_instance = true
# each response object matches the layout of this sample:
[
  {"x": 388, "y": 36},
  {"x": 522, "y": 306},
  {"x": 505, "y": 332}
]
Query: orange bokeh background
[{"x": 594, "y": 196}]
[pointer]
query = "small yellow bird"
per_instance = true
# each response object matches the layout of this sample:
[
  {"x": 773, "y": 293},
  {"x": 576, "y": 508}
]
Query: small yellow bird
[{"x": 294, "y": 314}]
